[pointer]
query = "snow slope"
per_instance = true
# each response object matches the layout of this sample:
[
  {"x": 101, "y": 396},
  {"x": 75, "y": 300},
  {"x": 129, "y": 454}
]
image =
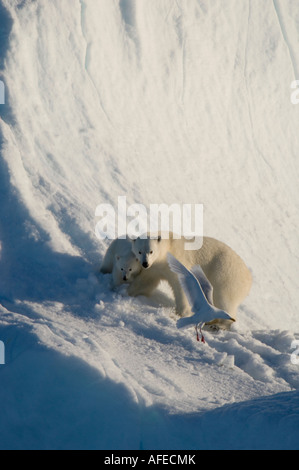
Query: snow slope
[{"x": 163, "y": 102}]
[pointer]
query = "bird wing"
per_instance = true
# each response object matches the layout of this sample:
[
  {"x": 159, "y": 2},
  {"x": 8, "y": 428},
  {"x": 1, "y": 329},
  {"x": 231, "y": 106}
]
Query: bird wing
[
  {"x": 206, "y": 314},
  {"x": 217, "y": 313},
  {"x": 189, "y": 283},
  {"x": 204, "y": 282}
]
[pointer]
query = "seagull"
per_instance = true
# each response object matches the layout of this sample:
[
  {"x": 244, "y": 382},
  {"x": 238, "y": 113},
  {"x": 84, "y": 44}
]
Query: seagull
[{"x": 199, "y": 293}]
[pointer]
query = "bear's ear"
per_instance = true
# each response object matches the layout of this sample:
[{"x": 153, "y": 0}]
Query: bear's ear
[{"x": 159, "y": 238}]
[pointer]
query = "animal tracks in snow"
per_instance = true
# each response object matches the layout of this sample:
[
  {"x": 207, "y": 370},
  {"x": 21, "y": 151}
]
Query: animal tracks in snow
[{"x": 263, "y": 355}]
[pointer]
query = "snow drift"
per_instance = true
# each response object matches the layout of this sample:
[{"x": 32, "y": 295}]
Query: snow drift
[{"x": 163, "y": 102}]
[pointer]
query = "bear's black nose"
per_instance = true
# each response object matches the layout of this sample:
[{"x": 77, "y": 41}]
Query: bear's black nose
[
  {"x": 145, "y": 264},
  {"x": 125, "y": 278}
]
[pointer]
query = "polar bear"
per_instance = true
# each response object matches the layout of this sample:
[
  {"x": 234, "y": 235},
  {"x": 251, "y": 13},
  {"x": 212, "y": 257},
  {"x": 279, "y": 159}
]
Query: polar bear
[
  {"x": 119, "y": 246},
  {"x": 226, "y": 271},
  {"x": 126, "y": 267},
  {"x": 120, "y": 261}
]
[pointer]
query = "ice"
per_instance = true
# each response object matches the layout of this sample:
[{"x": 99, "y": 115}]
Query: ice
[{"x": 161, "y": 102}]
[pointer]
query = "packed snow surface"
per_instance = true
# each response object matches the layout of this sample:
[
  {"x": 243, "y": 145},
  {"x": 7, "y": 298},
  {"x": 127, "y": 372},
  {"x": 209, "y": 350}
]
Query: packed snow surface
[{"x": 161, "y": 101}]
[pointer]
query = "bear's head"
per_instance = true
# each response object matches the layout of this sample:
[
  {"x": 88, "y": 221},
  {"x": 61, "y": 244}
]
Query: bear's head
[
  {"x": 128, "y": 265},
  {"x": 147, "y": 250}
]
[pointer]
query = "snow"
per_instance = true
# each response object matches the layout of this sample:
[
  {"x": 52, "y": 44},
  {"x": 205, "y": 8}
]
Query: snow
[{"x": 162, "y": 102}]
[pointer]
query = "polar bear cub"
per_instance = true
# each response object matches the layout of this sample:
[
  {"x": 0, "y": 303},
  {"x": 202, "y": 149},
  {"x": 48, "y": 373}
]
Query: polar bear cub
[
  {"x": 121, "y": 262},
  {"x": 226, "y": 271},
  {"x": 126, "y": 267}
]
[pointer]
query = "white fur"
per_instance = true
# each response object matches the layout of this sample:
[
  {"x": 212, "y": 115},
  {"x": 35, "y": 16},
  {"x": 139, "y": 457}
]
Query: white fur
[
  {"x": 226, "y": 271},
  {"x": 126, "y": 268},
  {"x": 121, "y": 262},
  {"x": 119, "y": 246}
]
